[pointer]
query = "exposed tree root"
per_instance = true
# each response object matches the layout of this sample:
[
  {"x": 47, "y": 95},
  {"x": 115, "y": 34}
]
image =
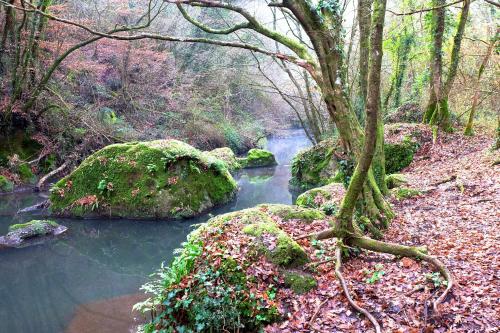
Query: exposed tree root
[
  {"x": 338, "y": 273},
  {"x": 407, "y": 251},
  {"x": 390, "y": 248}
]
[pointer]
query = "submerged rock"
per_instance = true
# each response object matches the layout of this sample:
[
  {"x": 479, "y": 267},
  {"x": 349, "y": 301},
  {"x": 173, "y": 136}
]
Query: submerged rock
[
  {"x": 226, "y": 155},
  {"x": 156, "y": 179},
  {"x": 258, "y": 158},
  {"x": 31, "y": 233},
  {"x": 230, "y": 271}
]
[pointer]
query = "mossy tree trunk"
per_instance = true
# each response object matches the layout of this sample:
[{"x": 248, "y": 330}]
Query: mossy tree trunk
[
  {"x": 325, "y": 34},
  {"x": 437, "y": 111},
  {"x": 378, "y": 165},
  {"x": 345, "y": 227},
  {"x": 475, "y": 99}
]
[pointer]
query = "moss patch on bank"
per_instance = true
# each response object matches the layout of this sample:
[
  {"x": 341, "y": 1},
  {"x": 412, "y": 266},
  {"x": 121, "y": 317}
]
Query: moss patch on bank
[
  {"x": 5, "y": 184},
  {"x": 156, "y": 179},
  {"x": 326, "y": 163}
]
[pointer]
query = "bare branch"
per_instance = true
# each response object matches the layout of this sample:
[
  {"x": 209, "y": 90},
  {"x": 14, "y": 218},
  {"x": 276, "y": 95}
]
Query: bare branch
[{"x": 423, "y": 10}]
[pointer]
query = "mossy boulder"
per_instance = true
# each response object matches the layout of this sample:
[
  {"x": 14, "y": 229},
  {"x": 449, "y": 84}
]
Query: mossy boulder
[
  {"x": 30, "y": 233},
  {"x": 156, "y": 179},
  {"x": 277, "y": 245},
  {"x": 399, "y": 155},
  {"x": 326, "y": 198},
  {"x": 258, "y": 158},
  {"x": 228, "y": 274},
  {"x": 317, "y": 165},
  {"x": 5, "y": 184},
  {"x": 288, "y": 212},
  {"x": 226, "y": 155}
]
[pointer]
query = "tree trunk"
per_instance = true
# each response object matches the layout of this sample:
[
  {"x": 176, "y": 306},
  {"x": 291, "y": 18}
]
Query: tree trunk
[
  {"x": 477, "y": 93},
  {"x": 437, "y": 111},
  {"x": 325, "y": 33}
]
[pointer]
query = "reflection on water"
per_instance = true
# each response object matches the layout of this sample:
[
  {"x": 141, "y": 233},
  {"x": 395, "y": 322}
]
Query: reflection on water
[{"x": 42, "y": 287}]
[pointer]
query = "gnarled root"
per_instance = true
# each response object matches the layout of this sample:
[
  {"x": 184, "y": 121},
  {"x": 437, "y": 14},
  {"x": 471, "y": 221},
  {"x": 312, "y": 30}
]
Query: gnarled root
[
  {"x": 338, "y": 273},
  {"x": 407, "y": 251}
]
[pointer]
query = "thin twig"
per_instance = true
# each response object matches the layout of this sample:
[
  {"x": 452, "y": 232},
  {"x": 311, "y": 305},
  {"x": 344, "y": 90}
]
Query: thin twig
[{"x": 317, "y": 311}]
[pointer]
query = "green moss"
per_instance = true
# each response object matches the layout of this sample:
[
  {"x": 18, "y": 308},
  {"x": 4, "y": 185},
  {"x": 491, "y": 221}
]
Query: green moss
[
  {"x": 258, "y": 158},
  {"x": 395, "y": 180},
  {"x": 327, "y": 198},
  {"x": 399, "y": 155},
  {"x": 157, "y": 179},
  {"x": 38, "y": 225},
  {"x": 26, "y": 174},
  {"x": 277, "y": 245},
  {"x": 299, "y": 282},
  {"x": 406, "y": 193},
  {"x": 5, "y": 184},
  {"x": 315, "y": 166},
  {"x": 288, "y": 212},
  {"x": 226, "y": 155}
]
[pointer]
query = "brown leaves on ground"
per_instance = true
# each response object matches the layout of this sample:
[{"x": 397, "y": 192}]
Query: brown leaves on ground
[{"x": 458, "y": 220}]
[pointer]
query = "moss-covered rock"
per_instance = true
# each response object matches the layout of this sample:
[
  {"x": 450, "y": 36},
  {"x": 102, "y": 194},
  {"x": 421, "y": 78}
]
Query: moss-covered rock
[
  {"x": 276, "y": 244},
  {"x": 258, "y": 158},
  {"x": 228, "y": 274},
  {"x": 25, "y": 233},
  {"x": 395, "y": 180},
  {"x": 289, "y": 212},
  {"x": 226, "y": 155},
  {"x": 5, "y": 184},
  {"x": 299, "y": 282},
  {"x": 325, "y": 162},
  {"x": 156, "y": 179},
  {"x": 315, "y": 166},
  {"x": 399, "y": 155},
  {"x": 326, "y": 198},
  {"x": 402, "y": 193}
]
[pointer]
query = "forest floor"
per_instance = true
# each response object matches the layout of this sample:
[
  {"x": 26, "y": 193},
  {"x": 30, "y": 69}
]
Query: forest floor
[{"x": 456, "y": 216}]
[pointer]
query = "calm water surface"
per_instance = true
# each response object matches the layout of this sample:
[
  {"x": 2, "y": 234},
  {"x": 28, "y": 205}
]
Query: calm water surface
[{"x": 46, "y": 288}]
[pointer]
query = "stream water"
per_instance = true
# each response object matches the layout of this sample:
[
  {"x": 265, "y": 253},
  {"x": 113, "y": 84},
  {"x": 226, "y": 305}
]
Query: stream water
[{"x": 87, "y": 280}]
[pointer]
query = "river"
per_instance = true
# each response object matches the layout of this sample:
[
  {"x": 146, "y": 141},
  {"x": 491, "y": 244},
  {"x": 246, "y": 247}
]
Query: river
[{"x": 87, "y": 280}]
